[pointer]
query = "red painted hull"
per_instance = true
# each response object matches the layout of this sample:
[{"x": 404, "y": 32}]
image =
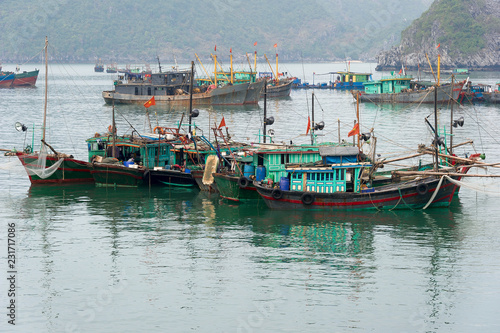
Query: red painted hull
[
  {"x": 70, "y": 171},
  {"x": 26, "y": 79}
]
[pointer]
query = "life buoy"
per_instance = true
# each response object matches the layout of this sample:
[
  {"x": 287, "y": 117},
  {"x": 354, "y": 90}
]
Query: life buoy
[
  {"x": 307, "y": 198},
  {"x": 159, "y": 130},
  {"x": 243, "y": 182},
  {"x": 277, "y": 194},
  {"x": 422, "y": 188},
  {"x": 110, "y": 129}
]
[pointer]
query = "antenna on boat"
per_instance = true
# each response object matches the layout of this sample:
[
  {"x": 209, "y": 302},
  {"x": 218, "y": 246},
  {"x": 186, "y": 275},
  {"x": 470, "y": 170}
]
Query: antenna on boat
[{"x": 159, "y": 65}]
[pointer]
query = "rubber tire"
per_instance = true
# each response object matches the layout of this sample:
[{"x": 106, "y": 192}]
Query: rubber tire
[
  {"x": 277, "y": 194},
  {"x": 243, "y": 182},
  {"x": 307, "y": 198},
  {"x": 422, "y": 189}
]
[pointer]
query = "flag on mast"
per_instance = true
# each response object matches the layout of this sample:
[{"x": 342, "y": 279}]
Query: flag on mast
[
  {"x": 150, "y": 102},
  {"x": 222, "y": 123},
  {"x": 354, "y": 131}
]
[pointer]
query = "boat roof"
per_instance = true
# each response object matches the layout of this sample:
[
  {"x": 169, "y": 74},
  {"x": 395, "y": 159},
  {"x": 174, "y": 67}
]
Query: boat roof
[
  {"x": 338, "y": 151},
  {"x": 326, "y": 168}
]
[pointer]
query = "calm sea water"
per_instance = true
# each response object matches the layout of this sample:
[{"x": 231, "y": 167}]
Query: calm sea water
[{"x": 173, "y": 260}]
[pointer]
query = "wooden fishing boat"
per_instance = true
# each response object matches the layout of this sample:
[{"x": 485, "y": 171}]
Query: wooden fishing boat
[
  {"x": 172, "y": 87},
  {"x": 403, "y": 89},
  {"x": 127, "y": 161},
  {"x": 336, "y": 184},
  {"x": 492, "y": 96},
  {"x": 279, "y": 88},
  {"x": 52, "y": 168},
  {"x": 99, "y": 67},
  {"x": 111, "y": 68},
  {"x": 25, "y": 79}
]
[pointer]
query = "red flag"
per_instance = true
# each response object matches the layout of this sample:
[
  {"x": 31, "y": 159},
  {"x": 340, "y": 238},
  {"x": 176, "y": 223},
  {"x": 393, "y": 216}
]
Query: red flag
[
  {"x": 438, "y": 46},
  {"x": 231, "y": 50},
  {"x": 308, "y": 124},
  {"x": 400, "y": 71},
  {"x": 222, "y": 123},
  {"x": 150, "y": 102},
  {"x": 255, "y": 44},
  {"x": 354, "y": 131},
  {"x": 276, "y": 45},
  {"x": 215, "y": 48}
]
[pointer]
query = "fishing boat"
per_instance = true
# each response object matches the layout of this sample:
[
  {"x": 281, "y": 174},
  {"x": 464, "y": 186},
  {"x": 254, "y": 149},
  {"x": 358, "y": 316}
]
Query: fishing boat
[
  {"x": 335, "y": 184},
  {"x": 6, "y": 79},
  {"x": 99, "y": 67},
  {"x": 348, "y": 80},
  {"x": 223, "y": 77},
  {"x": 111, "y": 68},
  {"x": 170, "y": 88},
  {"x": 492, "y": 96},
  {"x": 25, "y": 79},
  {"x": 52, "y": 168},
  {"x": 125, "y": 161},
  {"x": 344, "y": 179},
  {"x": 403, "y": 89},
  {"x": 277, "y": 88},
  {"x": 278, "y": 84}
]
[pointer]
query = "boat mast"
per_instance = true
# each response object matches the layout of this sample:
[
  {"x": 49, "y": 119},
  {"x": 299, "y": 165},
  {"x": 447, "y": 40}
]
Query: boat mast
[
  {"x": 231, "y": 60},
  {"x": 450, "y": 151},
  {"x": 277, "y": 78},
  {"x": 191, "y": 94},
  {"x": 265, "y": 111},
  {"x": 215, "y": 67},
  {"x": 255, "y": 61},
  {"x": 357, "y": 117},
  {"x": 113, "y": 128},
  {"x": 312, "y": 116},
  {"x": 436, "y": 167},
  {"x": 46, "y": 89},
  {"x": 439, "y": 69}
]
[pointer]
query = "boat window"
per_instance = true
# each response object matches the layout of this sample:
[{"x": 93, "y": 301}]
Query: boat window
[
  {"x": 136, "y": 90},
  {"x": 149, "y": 91}
]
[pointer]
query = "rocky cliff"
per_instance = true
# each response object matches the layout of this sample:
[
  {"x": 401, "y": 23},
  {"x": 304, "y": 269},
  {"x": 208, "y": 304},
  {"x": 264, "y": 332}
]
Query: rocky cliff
[{"x": 468, "y": 32}]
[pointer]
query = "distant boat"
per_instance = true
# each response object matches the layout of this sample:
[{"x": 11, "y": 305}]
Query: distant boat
[
  {"x": 99, "y": 67},
  {"x": 111, "y": 69},
  {"x": 403, "y": 89},
  {"x": 277, "y": 87},
  {"x": 493, "y": 96},
  {"x": 25, "y": 79},
  {"x": 173, "y": 88}
]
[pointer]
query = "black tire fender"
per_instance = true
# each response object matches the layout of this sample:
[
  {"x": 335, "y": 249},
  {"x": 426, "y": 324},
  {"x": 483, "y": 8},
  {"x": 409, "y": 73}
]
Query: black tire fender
[
  {"x": 422, "y": 188},
  {"x": 243, "y": 182},
  {"x": 307, "y": 198},
  {"x": 277, "y": 194}
]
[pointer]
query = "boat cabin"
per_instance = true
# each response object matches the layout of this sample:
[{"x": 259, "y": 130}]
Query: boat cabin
[
  {"x": 340, "y": 171},
  {"x": 157, "y": 84},
  {"x": 273, "y": 160},
  {"x": 389, "y": 84},
  {"x": 148, "y": 152}
]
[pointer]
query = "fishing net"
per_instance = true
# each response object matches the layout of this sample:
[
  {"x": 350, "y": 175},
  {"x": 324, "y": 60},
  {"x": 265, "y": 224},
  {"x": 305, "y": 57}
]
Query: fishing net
[
  {"x": 490, "y": 190},
  {"x": 210, "y": 168},
  {"x": 39, "y": 168}
]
